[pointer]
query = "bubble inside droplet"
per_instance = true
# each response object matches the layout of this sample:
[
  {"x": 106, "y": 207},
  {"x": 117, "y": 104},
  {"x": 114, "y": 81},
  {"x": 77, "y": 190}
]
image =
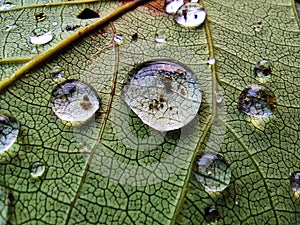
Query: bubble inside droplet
[
  {"x": 9, "y": 130},
  {"x": 263, "y": 69},
  {"x": 74, "y": 101},
  {"x": 257, "y": 101},
  {"x": 190, "y": 15},
  {"x": 57, "y": 72},
  {"x": 165, "y": 95},
  {"x": 37, "y": 169},
  {"x": 295, "y": 181},
  {"x": 4, "y": 202},
  {"x": 40, "y": 36},
  {"x": 211, "y": 214},
  {"x": 212, "y": 172},
  {"x": 173, "y": 5}
]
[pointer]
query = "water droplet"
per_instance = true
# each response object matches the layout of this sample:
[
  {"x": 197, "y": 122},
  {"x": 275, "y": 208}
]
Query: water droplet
[
  {"x": 212, "y": 172},
  {"x": 160, "y": 36},
  {"x": 40, "y": 16},
  {"x": 295, "y": 181},
  {"x": 7, "y": 5},
  {"x": 74, "y": 101},
  {"x": 190, "y": 15},
  {"x": 10, "y": 23},
  {"x": 263, "y": 70},
  {"x": 87, "y": 14},
  {"x": 4, "y": 202},
  {"x": 258, "y": 27},
  {"x": 173, "y": 5},
  {"x": 211, "y": 214},
  {"x": 257, "y": 101},
  {"x": 57, "y": 72},
  {"x": 165, "y": 95},
  {"x": 54, "y": 23},
  {"x": 219, "y": 98},
  {"x": 211, "y": 61},
  {"x": 37, "y": 169},
  {"x": 40, "y": 36},
  {"x": 118, "y": 39},
  {"x": 9, "y": 130}
]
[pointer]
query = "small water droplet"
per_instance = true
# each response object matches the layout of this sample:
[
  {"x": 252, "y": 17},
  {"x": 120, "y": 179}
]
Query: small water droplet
[
  {"x": 161, "y": 36},
  {"x": 54, "y": 23},
  {"x": 10, "y": 23},
  {"x": 257, "y": 101},
  {"x": 40, "y": 36},
  {"x": 9, "y": 130},
  {"x": 4, "y": 202},
  {"x": 173, "y": 5},
  {"x": 211, "y": 61},
  {"x": 190, "y": 15},
  {"x": 57, "y": 72},
  {"x": 165, "y": 95},
  {"x": 211, "y": 214},
  {"x": 7, "y": 5},
  {"x": 263, "y": 70},
  {"x": 118, "y": 39},
  {"x": 40, "y": 16},
  {"x": 74, "y": 101},
  {"x": 219, "y": 98},
  {"x": 295, "y": 181},
  {"x": 37, "y": 169},
  {"x": 258, "y": 27},
  {"x": 212, "y": 172}
]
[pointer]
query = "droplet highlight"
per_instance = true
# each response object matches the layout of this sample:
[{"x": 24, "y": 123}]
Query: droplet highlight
[
  {"x": 37, "y": 169},
  {"x": 172, "y": 6},
  {"x": 9, "y": 130},
  {"x": 4, "y": 202},
  {"x": 212, "y": 171},
  {"x": 74, "y": 101},
  {"x": 211, "y": 214},
  {"x": 40, "y": 36},
  {"x": 190, "y": 15},
  {"x": 257, "y": 101},
  {"x": 164, "y": 94},
  {"x": 295, "y": 181}
]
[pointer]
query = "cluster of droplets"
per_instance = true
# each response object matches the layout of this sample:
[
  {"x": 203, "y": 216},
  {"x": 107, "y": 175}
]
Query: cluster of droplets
[{"x": 188, "y": 15}]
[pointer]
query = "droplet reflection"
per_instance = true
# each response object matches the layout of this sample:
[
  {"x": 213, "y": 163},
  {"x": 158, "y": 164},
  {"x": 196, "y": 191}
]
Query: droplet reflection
[{"x": 295, "y": 181}]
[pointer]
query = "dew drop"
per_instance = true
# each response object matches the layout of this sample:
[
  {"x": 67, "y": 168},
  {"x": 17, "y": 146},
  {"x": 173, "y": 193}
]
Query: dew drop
[
  {"x": 87, "y": 14},
  {"x": 219, "y": 98},
  {"x": 57, "y": 72},
  {"x": 263, "y": 70},
  {"x": 6, "y": 5},
  {"x": 257, "y": 101},
  {"x": 10, "y": 23},
  {"x": 211, "y": 61},
  {"x": 118, "y": 39},
  {"x": 40, "y": 16},
  {"x": 173, "y": 5},
  {"x": 37, "y": 169},
  {"x": 295, "y": 181},
  {"x": 54, "y": 23},
  {"x": 161, "y": 36},
  {"x": 4, "y": 202},
  {"x": 164, "y": 94},
  {"x": 212, "y": 172},
  {"x": 258, "y": 27},
  {"x": 9, "y": 130},
  {"x": 40, "y": 36},
  {"x": 211, "y": 214},
  {"x": 74, "y": 101},
  {"x": 190, "y": 15}
]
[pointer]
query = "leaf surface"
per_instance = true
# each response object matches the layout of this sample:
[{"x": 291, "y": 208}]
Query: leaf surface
[{"x": 116, "y": 170}]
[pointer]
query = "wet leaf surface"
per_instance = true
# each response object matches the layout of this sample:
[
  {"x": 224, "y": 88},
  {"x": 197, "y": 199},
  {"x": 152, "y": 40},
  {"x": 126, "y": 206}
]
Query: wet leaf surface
[{"x": 114, "y": 169}]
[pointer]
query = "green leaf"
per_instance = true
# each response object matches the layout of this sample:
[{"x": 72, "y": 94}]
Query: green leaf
[{"x": 116, "y": 170}]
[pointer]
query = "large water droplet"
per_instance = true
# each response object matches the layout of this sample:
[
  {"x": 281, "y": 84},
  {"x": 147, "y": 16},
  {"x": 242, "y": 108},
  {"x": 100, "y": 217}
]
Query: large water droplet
[
  {"x": 211, "y": 214},
  {"x": 37, "y": 169},
  {"x": 74, "y": 101},
  {"x": 9, "y": 130},
  {"x": 257, "y": 101},
  {"x": 165, "y": 95},
  {"x": 295, "y": 181},
  {"x": 40, "y": 36},
  {"x": 190, "y": 15},
  {"x": 212, "y": 172},
  {"x": 173, "y": 5},
  {"x": 4, "y": 201}
]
